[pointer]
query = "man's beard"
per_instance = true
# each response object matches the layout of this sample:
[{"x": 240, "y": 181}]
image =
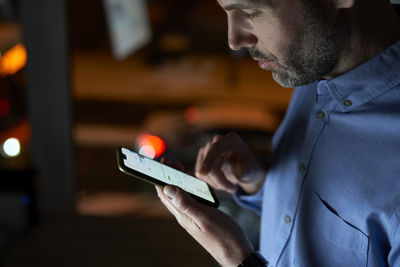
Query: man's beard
[{"x": 312, "y": 54}]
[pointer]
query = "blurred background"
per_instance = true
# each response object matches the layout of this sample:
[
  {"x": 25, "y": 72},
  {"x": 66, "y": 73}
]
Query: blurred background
[{"x": 80, "y": 78}]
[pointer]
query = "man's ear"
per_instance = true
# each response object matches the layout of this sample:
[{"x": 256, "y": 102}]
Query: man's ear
[{"x": 344, "y": 3}]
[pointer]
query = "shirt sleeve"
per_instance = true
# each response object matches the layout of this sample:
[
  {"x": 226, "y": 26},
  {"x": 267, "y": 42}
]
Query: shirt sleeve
[{"x": 249, "y": 202}]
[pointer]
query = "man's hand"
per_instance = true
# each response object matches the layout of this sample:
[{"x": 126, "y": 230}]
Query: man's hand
[
  {"x": 210, "y": 227},
  {"x": 226, "y": 161}
]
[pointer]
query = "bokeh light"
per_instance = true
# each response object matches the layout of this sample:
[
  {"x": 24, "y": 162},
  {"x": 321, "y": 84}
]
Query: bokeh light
[
  {"x": 11, "y": 147},
  {"x": 147, "y": 151},
  {"x": 4, "y": 107},
  {"x": 150, "y": 145},
  {"x": 192, "y": 114},
  {"x": 13, "y": 60}
]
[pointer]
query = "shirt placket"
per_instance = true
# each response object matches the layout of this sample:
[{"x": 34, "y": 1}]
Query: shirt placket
[{"x": 318, "y": 119}]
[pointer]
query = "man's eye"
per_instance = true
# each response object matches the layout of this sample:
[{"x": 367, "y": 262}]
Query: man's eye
[{"x": 250, "y": 14}]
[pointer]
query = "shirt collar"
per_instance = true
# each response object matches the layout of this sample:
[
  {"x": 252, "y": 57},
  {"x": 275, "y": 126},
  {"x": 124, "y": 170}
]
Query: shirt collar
[{"x": 366, "y": 82}]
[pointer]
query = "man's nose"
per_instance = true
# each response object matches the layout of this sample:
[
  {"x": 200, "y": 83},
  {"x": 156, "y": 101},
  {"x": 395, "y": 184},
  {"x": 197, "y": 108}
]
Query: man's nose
[{"x": 239, "y": 35}]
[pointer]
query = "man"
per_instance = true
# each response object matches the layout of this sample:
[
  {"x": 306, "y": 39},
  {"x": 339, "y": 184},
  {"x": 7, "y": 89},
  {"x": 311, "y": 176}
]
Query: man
[{"x": 331, "y": 196}]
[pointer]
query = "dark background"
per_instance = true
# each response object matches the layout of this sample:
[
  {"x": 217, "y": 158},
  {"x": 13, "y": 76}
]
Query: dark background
[{"x": 63, "y": 201}]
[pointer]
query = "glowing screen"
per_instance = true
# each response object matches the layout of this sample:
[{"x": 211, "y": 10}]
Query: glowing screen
[{"x": 166, "y": 174}]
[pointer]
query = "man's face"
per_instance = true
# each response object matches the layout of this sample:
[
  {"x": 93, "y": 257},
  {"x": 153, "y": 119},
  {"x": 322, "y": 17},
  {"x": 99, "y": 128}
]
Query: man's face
[{"x": 298, "y": 42}]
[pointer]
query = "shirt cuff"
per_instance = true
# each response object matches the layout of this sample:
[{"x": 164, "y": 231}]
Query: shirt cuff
[{"x": 249, "y": 202}]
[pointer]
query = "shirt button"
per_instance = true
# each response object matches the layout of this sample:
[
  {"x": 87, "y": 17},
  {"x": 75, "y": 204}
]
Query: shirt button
[
  {"x": 288, "y": 219},
  {"x": 302, "y": 168},
  {"x": 348, "y": 103},
  {"x": 321, "y": 114}
]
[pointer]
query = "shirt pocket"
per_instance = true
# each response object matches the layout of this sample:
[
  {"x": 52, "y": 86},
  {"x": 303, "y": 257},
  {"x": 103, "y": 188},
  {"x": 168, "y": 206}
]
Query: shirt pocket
[{"x": 330, "y": 240}]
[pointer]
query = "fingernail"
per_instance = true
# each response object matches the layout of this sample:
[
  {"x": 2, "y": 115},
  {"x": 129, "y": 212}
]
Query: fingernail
[{"x": 170, "y": 191}]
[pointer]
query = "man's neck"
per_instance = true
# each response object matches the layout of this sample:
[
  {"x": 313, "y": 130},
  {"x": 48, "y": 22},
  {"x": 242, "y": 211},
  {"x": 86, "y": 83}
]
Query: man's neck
[{"x": 373, "y": 28}]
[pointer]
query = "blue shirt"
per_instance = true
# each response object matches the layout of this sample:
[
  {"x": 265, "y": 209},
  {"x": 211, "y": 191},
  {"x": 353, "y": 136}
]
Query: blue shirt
[{"x": 332, "y": 194}]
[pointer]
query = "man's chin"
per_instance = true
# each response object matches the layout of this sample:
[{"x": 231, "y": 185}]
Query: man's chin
[
  {"x": 282, "y": 81},
  {"x": 290, "y": 80},
  {"x": 282, "y": 77}
]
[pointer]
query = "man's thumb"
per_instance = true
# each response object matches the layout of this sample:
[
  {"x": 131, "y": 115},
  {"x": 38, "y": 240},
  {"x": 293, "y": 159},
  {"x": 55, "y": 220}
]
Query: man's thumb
[{"x": 170, "y": 191}]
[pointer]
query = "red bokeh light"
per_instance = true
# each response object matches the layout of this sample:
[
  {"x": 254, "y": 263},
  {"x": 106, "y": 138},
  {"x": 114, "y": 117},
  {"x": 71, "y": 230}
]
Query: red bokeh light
[
  {"x": 191, "y": 114},
  {"x": 145, "y": 140},
  {"x": 4, "y": 108}
]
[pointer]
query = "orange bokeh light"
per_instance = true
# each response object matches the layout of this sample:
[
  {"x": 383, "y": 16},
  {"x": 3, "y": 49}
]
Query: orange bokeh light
[
  {"x": 13, "y": 60},
  {"x": 155, "y": 142}
]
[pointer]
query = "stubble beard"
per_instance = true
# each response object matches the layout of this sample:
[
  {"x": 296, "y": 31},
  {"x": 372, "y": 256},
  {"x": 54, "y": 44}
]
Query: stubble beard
[{"x": 312, "y": 55}]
